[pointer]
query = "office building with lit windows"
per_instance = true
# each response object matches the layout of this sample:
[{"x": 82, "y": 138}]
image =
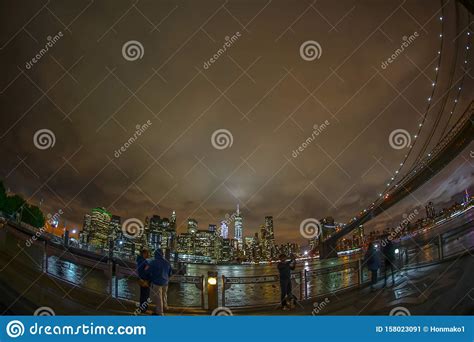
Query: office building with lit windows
[
  {"x": 238, "y": 226},
  {"x": 192, "y": 226},
  {"x": 99, "y": 231}
]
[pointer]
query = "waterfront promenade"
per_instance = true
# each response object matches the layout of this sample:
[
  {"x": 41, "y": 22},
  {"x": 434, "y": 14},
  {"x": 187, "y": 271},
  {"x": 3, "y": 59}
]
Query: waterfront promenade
[{"x": 430, "y": 271}]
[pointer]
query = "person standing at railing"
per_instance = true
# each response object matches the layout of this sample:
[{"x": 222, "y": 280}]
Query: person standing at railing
[
  {"x": 143, "y": 271},
  {"x": 372, "y": 260},
  {"x": 160, "y": 272},
  {"x": 284, "y": 268},
  {"x": 388, "y": 251}
]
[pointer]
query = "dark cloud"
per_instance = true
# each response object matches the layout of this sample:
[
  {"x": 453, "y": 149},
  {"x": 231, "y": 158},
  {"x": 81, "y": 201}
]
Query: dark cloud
[{"x": 260, "y": 89}]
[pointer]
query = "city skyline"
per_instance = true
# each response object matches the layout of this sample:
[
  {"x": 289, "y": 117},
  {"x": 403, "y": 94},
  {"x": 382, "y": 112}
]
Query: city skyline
[{"x": 444, "y": 183}]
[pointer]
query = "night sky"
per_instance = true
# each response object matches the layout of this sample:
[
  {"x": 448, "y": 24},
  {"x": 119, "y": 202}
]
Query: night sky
[{"x": 92, "y": 96}]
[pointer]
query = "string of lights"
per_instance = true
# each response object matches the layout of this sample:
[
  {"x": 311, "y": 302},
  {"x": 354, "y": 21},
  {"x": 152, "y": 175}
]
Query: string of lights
[
  {"x": 424, "y": 161},
  {"x": 390, "y": 186},
  {"x": 444, "y": 98},
  {"x": 464, "y": 72},
  {"x": 425, "y": 114}
]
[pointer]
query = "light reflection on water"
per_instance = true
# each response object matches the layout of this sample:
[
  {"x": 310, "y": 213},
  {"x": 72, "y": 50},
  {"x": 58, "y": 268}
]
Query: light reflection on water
[
  {"x": 188, "y": 294},
  {"x": 238, "y": 294}
]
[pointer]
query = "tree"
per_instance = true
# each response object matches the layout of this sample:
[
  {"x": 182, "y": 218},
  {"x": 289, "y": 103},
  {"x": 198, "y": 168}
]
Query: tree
[
  {"x": 33, "y": 216},
  {"x": 3, "y": 196},
  {"x": 13, "y": 204}
]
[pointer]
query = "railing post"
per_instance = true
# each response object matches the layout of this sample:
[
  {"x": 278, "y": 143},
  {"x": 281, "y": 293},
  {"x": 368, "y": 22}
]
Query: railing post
[
  {"x": 117, "y": 272},
  {"x": 212, "y": 290},
  {"x": 203, "y": 303},
  {"x": 359, "y": 271},
  {"x": 111, "y": 277},
  {"x": 223, "y": 290},
  {"x": 305, "y": 285},
  {"x": 301, "y": 285},
  {"x": 45, "y": 261},
  {"x": 440, "y": 247}
]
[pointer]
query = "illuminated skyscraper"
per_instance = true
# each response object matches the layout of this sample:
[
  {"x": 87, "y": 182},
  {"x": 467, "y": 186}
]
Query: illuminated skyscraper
[
  {"x": 173, "y": 221},
  {"x": 86, "y": 229},
  {"x": 192, "y": 226},
  {"x": 269, "y": 227},
  {"x": 224, "y": 231},
  {"x": 115, "y": 227},
  {"x": 100, "y": 227},
  {"x": 238, "y": 227}
]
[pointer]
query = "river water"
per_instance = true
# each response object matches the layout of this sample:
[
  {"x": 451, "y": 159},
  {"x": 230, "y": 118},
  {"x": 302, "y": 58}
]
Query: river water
[{"x": 187, "y": 295}]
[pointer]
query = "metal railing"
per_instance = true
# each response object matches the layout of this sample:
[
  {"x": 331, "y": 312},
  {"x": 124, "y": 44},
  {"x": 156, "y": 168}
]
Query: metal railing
[
  {"x": 261, "y": 290},
  {"x": 306, "y": 284},
  {"x": 319, "y": 282},
  {"x": 177, "y": 283}
]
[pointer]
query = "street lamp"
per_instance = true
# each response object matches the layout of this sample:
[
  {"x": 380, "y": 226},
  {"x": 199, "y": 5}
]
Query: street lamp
[{"x": 212, "y": 293}]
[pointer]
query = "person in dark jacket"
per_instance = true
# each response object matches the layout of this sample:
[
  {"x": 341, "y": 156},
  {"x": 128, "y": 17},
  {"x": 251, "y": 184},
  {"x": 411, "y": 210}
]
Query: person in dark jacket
[
  {"x": 144, "y": 279},
  {"x": 160, "y": 272},
  {"x": 372, "y": 261},
  {"x": 388, "y": 252},
  {"x": 284, "y": 268}
]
